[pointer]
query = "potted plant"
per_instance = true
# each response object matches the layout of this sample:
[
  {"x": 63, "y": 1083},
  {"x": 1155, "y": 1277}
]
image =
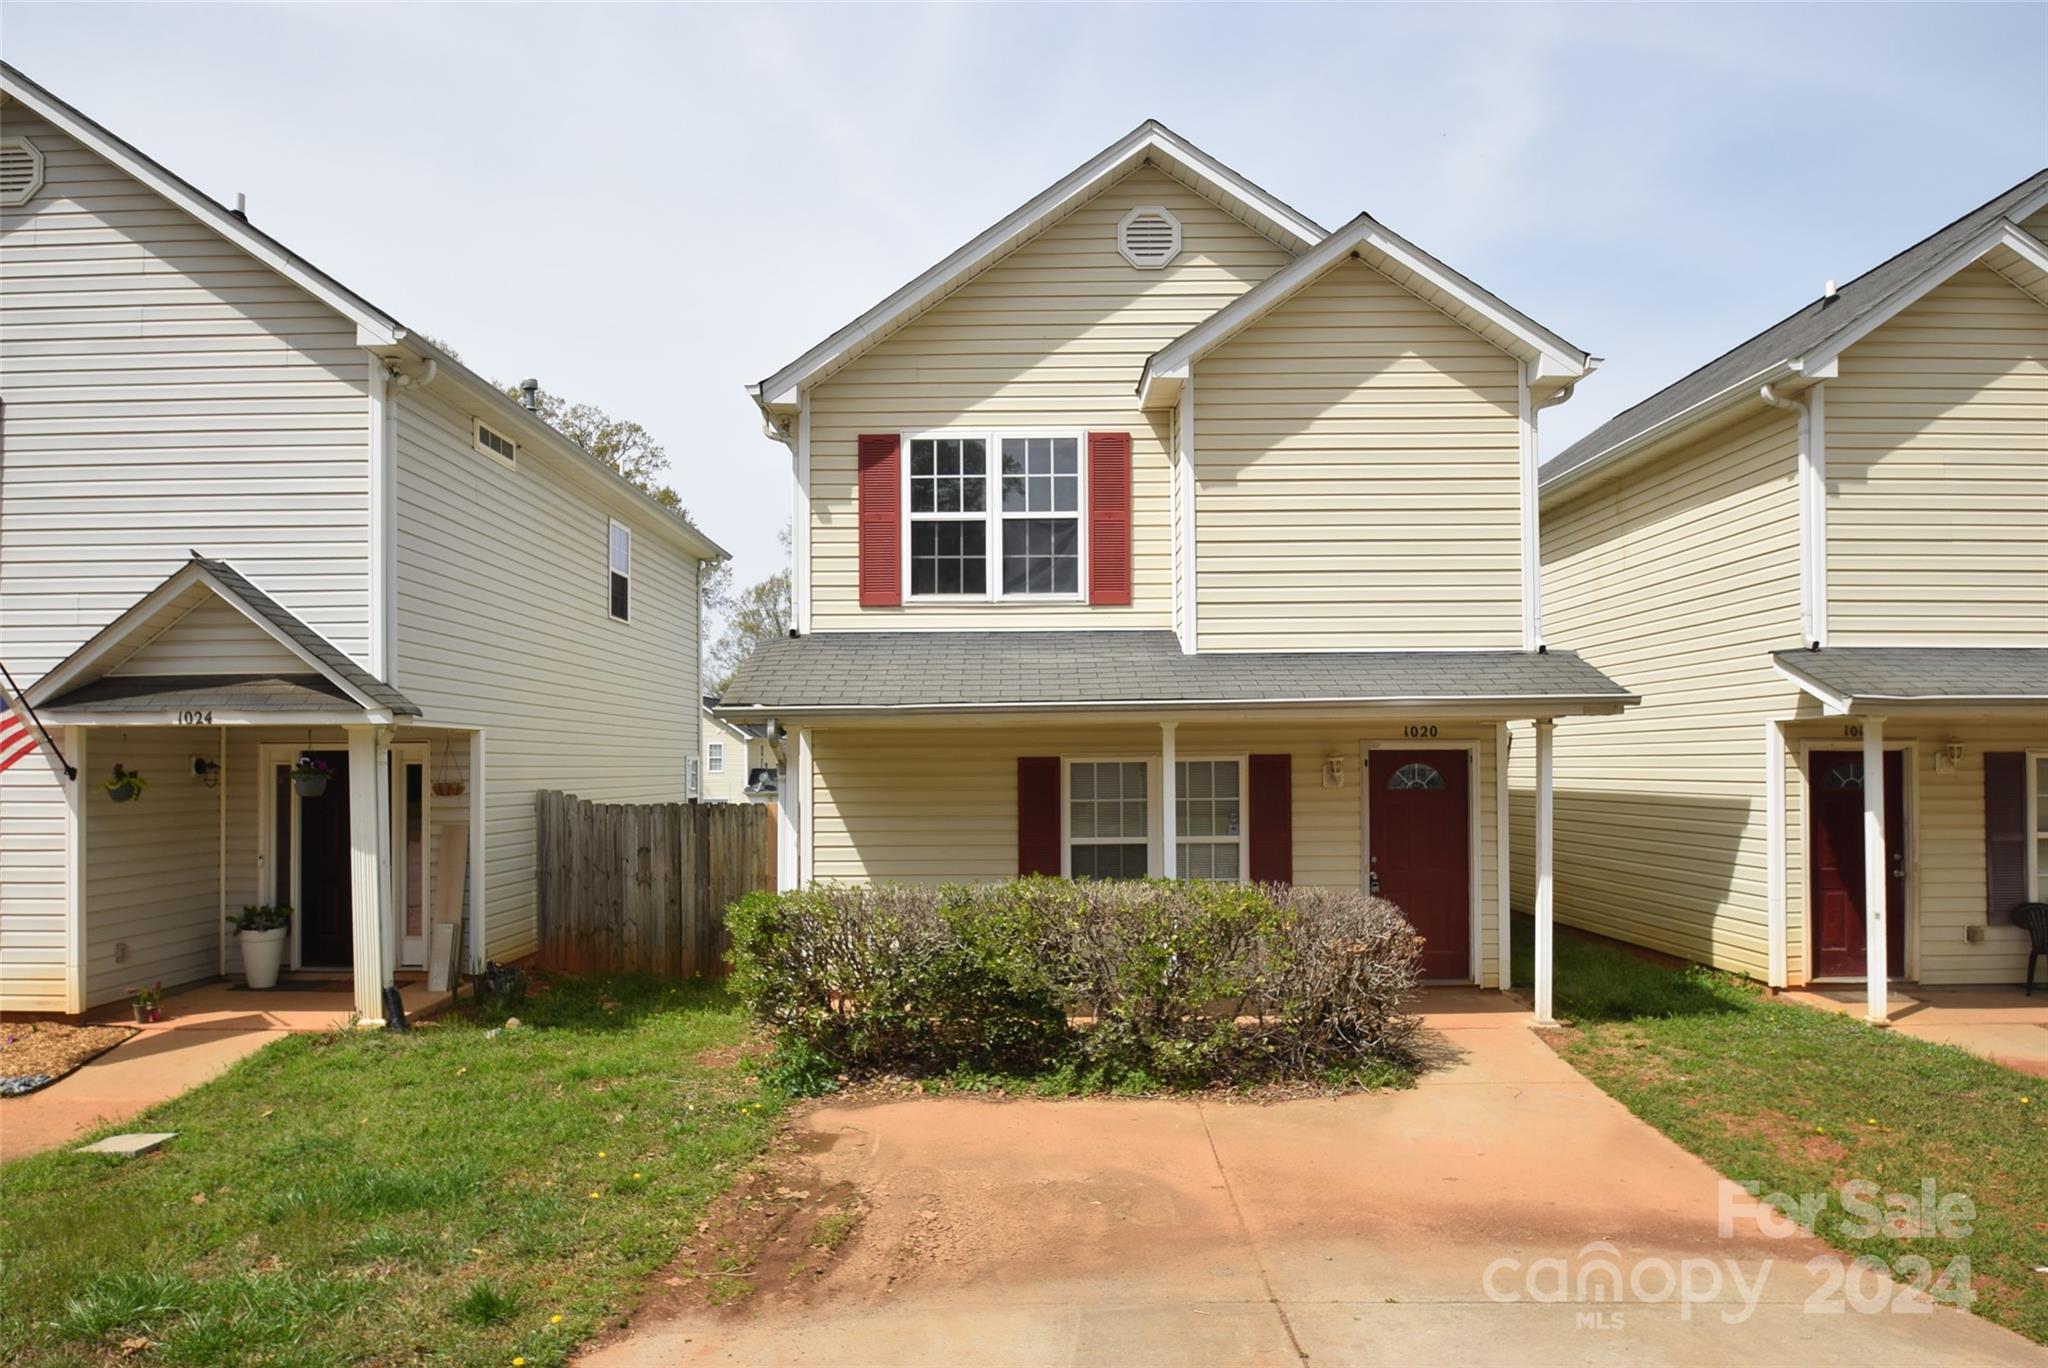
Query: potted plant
[
  {"x": 126, "y": 785},
  {"x": 260, "y": 932},
  {"x": 149, "y": 1003},
  {"x": 310, "y": 775}
]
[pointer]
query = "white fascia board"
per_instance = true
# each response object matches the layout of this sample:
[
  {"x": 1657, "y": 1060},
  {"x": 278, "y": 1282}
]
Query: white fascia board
[
  {"x": 369, "y": 320},
  {"x": 1512, "y": 706},
  {"x": 778, "y": 392},
  {"x": 2003, "y": 233},
  {"x": 1560, "y": 361},
  {"x": 1834, "y": 703},
  {"x": 217, "y": 717}
]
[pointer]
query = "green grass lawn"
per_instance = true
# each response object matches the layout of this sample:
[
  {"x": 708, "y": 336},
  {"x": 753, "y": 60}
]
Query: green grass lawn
[
  {"x": 442, "y": 1197},
  {"x": 1803, "y": 1101}
]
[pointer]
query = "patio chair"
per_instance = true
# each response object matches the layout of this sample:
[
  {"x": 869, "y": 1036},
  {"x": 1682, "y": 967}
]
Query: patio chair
[{"x": 2033, "y": 916}]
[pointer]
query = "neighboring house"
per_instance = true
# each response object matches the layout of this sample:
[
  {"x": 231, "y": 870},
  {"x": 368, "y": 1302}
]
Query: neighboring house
[
  {"x": 1823, "y": 560},
  {"x": 246, "y": 516},
  {"x": 1160, "y": 531},
  {"x": 739, "y": 764}
]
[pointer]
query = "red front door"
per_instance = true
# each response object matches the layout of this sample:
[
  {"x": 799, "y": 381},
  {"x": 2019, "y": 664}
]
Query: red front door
[
  {"x": 1419, "y": 810},
  {"x": 1840, "y": 912}
]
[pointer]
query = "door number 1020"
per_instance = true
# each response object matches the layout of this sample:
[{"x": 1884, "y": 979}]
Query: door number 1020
[{"x": 1419, "y": 731}]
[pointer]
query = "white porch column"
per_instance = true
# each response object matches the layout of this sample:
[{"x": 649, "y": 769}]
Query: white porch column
[
  {"x": 1876, "y": 859},
  {"x": 785, "y": 817},
  {"x": 1169, "y": 846},
  {"x": 369, "y": 804},
  {"x": 1545, "y": 744},
  {"x": 477, "y": 833},
  {"x": 806, "y": 829},
  {"x": 1774, "y": 848}
]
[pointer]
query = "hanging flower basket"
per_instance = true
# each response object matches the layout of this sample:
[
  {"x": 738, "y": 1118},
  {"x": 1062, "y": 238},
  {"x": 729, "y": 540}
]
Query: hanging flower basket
[
  {"x": 126, "y": 785},
  {"x": 310, "y": 776}
]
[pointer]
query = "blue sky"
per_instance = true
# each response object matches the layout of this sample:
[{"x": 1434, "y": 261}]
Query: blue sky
[{"x": 649, "y": 206}]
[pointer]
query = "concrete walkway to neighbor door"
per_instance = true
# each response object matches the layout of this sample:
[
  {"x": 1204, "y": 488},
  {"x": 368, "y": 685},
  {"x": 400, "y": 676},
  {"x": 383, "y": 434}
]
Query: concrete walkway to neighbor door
[
  {"x": 204, "y": 1030},
  {"x": 1403, "y": 1228},
  {"x": 2001, "y": 1024}
]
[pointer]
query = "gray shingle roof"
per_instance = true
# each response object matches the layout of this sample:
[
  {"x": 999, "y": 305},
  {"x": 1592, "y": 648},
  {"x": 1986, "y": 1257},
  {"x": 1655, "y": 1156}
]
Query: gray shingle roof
[
  {"x": 1811, "y": 327},
  {"x": 233, "y": 693},
  {"x": 1949, "y": 674},
  {"x": 308, "y": 640},
  {"x": 943, "y": 671}
]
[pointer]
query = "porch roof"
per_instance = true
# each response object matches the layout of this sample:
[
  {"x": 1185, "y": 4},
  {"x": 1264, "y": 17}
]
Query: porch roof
[
  {"x": 1855, "y": 678},
  {"x": 230, "y": 693},
  {"x": 940, "y": 672}
]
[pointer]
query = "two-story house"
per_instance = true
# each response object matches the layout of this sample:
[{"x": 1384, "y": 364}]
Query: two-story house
[
  {"x": 247, "y": 517},
  {"x": 1822, "y": 558},
  {"x": 1160, "y": 531}
]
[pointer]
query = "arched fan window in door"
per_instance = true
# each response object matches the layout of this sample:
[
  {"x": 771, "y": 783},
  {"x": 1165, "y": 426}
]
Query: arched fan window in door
[{"x": 1415, "y": 775}]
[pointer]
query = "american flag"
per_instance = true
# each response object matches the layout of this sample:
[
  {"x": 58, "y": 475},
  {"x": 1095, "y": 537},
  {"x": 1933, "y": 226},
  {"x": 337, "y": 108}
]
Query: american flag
[{"x": 18, "y": 733}]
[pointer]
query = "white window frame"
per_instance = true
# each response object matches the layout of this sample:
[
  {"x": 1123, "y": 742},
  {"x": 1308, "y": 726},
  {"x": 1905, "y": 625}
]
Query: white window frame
[
  {"x": 714, "y": 757},
  {"x": 1244, "y": 816},
  {"x": 993, "y": 516},
  {"x": 693, "y": 784},
  {"x": 610, "y": 538},
  {"x": 2037, "y": 808},
  {"x": 476, "y": 442},
  {"x": 1153, "y": 825}
]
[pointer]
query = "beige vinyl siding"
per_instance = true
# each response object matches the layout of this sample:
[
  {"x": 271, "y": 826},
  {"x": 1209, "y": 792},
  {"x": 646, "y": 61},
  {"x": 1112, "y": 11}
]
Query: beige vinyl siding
[
  {"x": 932, "y": 806},
  {"x": 1937, "y": 452},
  {"x": 1358, "y": 467},
  {"x": 503, "y": 623},
  {"x": 163, "y": 392},
  {"x": 1947, "y": 893},
  {"x": 741, "y": 755},
  {"x": 1053, "y": 335},
  {"x": 214, "y": 637},
  {"x": 153, "y": 866},
  {"x": 1678, "y": 582}
]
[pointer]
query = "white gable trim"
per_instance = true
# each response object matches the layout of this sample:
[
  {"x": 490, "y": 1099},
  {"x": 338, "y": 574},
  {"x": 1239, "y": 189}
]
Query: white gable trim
[
  {"x": 2005, "y": 235},
  {"x": 779, "y": 391},
  {"x": 89, "y": 661},
  {"x": 370, "y": 322},
  {"x": 1549, "y": 356}
]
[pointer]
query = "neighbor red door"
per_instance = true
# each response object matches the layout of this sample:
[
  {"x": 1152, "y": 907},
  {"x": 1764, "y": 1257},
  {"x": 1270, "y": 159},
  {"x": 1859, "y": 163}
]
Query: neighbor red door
[
  {"x": 1419, "y": 806},
  {"x": 1840, "y": 913}
]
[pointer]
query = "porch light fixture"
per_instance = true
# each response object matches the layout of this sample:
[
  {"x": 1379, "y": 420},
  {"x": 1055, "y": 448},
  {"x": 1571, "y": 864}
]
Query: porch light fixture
[
  {"x": 1333, "y": 772},
  {"x": 206, "y": 771},
  {"x": 1948, "y": 757}
]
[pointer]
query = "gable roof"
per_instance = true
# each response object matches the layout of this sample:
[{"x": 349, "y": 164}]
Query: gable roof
[
  {"x": 323, "y": 659},
  {"x": 1380, "y": 247},
  {"x": 376, "y": 328},
  {"x": 1806, "y": 344},
  {"x": 1149, "y": 141}
]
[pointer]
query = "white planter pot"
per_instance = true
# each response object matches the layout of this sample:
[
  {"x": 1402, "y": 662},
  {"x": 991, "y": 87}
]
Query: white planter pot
[{"x": 262, "y": 952}]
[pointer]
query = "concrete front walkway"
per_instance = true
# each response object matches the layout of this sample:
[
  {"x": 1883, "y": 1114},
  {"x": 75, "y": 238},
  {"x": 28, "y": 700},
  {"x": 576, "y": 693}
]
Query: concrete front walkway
[
  {"x": 2001, "y": 1024},
  {"x": 204, "y": 1030},
  {"x": 1404, "y": 1228}
]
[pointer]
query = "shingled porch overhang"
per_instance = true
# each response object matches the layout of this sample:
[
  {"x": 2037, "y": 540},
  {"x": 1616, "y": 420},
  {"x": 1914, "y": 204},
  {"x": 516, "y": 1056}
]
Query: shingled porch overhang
[{"x": 868, "y": 674}]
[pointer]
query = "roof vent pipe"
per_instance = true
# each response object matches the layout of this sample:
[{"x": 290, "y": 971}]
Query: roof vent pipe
[
  {"x": 1828, "y": 293},
  {"x": 241, "y": 206},
  {"x": 529, "y": 394}
]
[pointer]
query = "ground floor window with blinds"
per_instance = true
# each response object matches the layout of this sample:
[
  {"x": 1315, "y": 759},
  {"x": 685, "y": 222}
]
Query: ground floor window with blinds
[
  {"x": 1208, "y": 819},
  {"x": 1108, "y": 816}
]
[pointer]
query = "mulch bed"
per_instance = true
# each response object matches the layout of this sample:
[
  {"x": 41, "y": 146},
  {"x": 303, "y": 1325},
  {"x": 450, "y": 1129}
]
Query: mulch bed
[{"x": 35, "y": 1054}]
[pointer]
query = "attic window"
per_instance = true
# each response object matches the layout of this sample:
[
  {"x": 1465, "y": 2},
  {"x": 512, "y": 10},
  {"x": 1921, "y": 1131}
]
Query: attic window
[
  {"x": 1149, "y": 237},
  {"x": 491, "y": 442},
  {"x": 21, "y": 170}
]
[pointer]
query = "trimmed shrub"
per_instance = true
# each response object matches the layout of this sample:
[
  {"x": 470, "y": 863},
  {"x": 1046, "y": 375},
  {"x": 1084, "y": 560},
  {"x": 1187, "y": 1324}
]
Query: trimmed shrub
[{"x": 1179, "y": 984}]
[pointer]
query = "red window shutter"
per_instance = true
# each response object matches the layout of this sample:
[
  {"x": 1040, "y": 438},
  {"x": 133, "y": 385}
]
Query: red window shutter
[
  {"x": 881, "y": 520},
  {"x": 2005, "y": 833},
  {"x": 1038, "y": 815},
  {"x": 1269, "y": 790},
  {"x": 1109, "y": 517}
]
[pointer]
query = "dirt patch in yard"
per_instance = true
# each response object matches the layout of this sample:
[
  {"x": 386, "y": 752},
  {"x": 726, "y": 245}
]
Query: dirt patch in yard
[{"x": 47, "y": 1050}]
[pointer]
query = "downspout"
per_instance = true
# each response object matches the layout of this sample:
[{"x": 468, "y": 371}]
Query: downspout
[
  {"x": 1532, "y": 506},
  {"x": 1812, "y": 485},
  {"x": 386, "y": 382}
]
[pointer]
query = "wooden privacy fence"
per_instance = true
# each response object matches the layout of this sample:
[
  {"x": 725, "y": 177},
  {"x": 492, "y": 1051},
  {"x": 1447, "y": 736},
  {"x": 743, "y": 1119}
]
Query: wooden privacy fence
[{"x": 643, "y": 887}]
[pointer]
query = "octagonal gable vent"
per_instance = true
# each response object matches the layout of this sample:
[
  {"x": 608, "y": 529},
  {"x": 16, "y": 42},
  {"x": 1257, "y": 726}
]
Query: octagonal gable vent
[
  {"x": 21, "y": 170},
  {"x": 1149, "y": 237}
]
